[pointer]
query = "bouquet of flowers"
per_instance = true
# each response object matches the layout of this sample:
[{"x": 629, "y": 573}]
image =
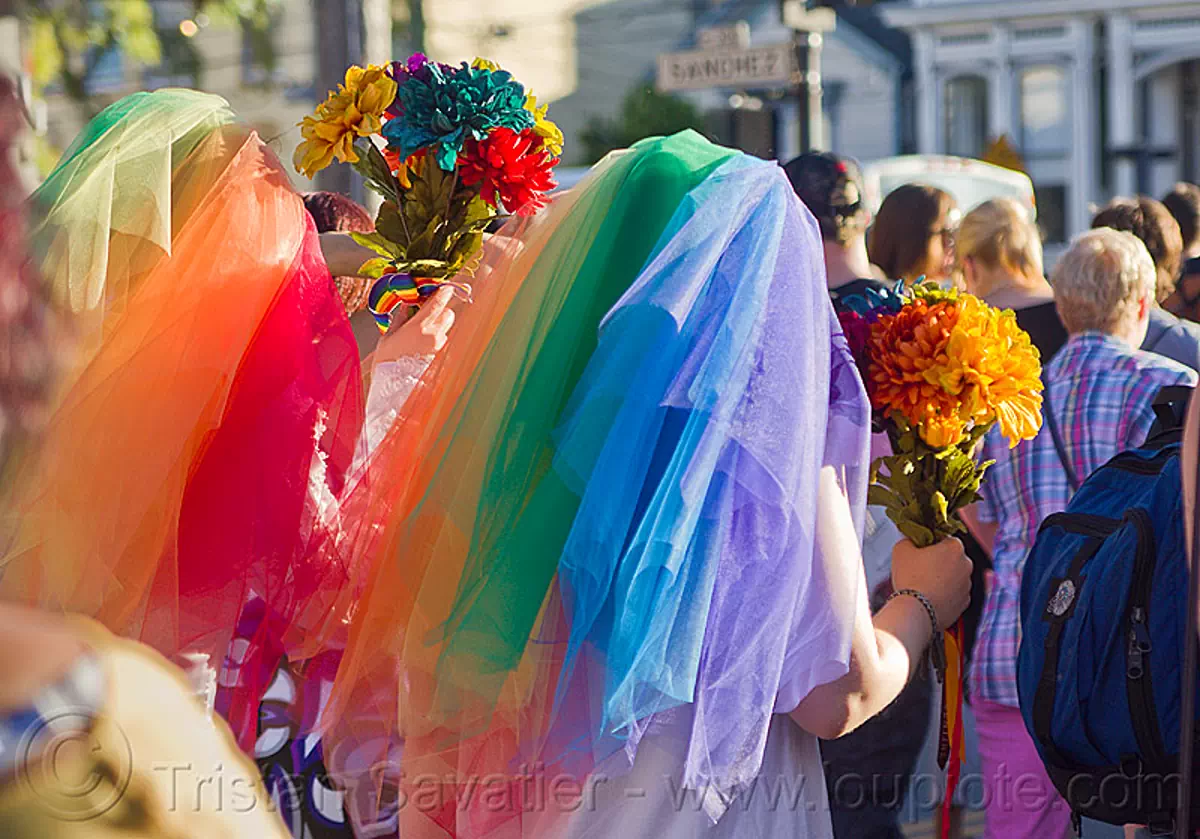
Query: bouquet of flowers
[
  {"x": 941, "y": 369},
  {"x": 449, "y": 149}
]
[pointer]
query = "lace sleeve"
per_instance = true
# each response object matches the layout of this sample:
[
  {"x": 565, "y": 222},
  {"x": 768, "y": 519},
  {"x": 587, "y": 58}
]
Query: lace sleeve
[{"x": 391, "y": 384}]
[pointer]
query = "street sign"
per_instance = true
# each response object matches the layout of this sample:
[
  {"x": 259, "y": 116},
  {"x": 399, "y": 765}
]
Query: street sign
[
  {"x": 767, "y": 66},
  {"x": 797, "y": 15},
  {"x": 735, "y": 37}
]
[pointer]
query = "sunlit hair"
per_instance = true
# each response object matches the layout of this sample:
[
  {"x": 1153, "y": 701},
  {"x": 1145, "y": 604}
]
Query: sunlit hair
[
  {"x": 1183, "y": 202},
  {"x": 1101, "y": 279},
  {"x": 333, "y": 212},
  {"x": 1151, "y": 222},
  {"x": 999, "y": 234}
]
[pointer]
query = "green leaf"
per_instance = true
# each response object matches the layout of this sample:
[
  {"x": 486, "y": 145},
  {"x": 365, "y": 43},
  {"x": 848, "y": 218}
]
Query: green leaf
[
  {"x": 915, "y": 532},
  {"x": 390, "y": 226},
  {"x": 941, "y": 512},
  {"x": 375, "y": 268},
  {"x": 423, "y": 244},
  {"x": 480, "y": 211},
  {"x": 435, "y": 268},
  {"x": 375, "y": 170},
  {"x": 379, "y": 244}
]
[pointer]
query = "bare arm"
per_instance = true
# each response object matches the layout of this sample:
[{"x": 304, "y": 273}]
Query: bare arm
[
  {"x": 343, "y": 255},
  {"x": 885, "y": 651}
]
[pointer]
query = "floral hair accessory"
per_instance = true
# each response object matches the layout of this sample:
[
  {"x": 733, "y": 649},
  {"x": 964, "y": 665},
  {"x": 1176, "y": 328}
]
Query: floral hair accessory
[{"x": 450, "y": 148}]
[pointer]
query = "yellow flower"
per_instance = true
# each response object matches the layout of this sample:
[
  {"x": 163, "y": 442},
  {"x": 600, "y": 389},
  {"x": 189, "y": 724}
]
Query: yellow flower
[
  {"x": 551, "y": 134},
  {"x": 993, "y": 369},
  {"x": 941, "y": 430},
  {"x": 355, "y": 110},
  {"x": 485, "y": 64}
]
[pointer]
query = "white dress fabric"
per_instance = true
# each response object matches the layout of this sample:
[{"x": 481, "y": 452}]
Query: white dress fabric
[{"x": 788, "y": 800}]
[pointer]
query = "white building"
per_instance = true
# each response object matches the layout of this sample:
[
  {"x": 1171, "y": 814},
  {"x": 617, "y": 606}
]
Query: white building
[
  {"x": 615, "y": 46},
  {"x": 865, "y": 74},
  {"x": 1077, "y": 85}
]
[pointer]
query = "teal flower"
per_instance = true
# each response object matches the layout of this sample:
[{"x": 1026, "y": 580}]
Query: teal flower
[{"x": 443, "y": 108}]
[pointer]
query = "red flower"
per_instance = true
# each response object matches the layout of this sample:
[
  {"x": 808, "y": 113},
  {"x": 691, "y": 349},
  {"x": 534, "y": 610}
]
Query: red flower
[
  {"x": 857, "y": 330},
  {"x": 512, "y": 169}
]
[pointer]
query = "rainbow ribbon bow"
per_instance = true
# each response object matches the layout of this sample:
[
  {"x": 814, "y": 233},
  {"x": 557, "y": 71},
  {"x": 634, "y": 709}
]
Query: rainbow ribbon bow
[{"x": 394, "y": 290}]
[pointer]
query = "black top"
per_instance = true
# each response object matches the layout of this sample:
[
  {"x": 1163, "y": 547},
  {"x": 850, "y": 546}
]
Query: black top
[{"x": 1045, "y": 329}]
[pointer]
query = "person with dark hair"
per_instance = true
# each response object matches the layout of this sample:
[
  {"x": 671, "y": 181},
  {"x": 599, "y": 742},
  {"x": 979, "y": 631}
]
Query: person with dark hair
[
  {"x": 333, "y": 212},
  {"x": 913, "y": 234},
  {"x": 832, "y": 189},
  {"x": 868, "y": 772},
  {"x": 1183, "y": 202},
  {"x": 1153, "y": 224}
]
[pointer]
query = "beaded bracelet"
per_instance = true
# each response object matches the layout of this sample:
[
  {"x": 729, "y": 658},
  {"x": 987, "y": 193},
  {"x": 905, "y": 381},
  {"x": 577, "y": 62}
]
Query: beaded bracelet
[{"x": 923, "y": 600}]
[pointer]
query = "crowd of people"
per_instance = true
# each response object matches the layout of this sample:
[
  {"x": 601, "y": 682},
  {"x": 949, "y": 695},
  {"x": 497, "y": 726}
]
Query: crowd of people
[
  {"x": 237, "y": 490},
  {"x": 1113, "y": 324}
]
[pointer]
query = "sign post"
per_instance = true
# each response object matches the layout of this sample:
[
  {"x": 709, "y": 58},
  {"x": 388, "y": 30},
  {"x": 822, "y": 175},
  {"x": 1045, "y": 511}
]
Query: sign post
[
  {"x": 807, "y": 26},
  {"x": 724, "y": 58}
]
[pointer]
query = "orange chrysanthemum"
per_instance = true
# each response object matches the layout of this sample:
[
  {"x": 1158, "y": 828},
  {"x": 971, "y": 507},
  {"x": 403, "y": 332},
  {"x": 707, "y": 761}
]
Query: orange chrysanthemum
[
  {"x": 903, "y": 347},
  {"x": 953, "y": 365}
]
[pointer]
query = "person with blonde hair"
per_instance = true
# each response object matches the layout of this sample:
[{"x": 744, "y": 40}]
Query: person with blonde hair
[
  {"x": 1099, "y": 398},
  {"x": 1000, "y": 252}
]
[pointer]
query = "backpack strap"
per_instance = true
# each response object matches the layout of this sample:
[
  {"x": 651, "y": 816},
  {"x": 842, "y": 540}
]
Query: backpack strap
[
  {"x": 1063, "y": 457},
  {"x": 1063, "y": 597}
]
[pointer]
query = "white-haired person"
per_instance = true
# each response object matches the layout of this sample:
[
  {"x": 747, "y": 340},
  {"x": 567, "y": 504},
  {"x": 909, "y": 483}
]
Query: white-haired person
[{"x": 1099, "y": 396}]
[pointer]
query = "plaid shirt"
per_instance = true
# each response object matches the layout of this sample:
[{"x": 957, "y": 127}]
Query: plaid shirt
[{"x": 1102, "y": 394}]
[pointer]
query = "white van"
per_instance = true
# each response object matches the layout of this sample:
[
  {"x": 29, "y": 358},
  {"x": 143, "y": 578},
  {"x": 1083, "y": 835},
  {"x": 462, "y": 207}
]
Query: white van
[{"x": 971, "y": 182}]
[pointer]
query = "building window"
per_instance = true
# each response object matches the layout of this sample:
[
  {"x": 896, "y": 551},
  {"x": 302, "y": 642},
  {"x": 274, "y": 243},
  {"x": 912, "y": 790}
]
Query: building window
[
  {"x": 1045, "y": 111},
  {"x": 966, "y": 116},
  {"x": 1045, "y": 133},
  {"x": 1052, "y": 211}
]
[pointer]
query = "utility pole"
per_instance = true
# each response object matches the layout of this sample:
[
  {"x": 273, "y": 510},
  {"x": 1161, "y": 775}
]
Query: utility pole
[
  {"x": 377, "y": 49},
  {"x": 807, "y": 25},
  {"x": 416, "y": 25},
  {"x": 808, "y": 89},
  {"x": 339, "y": 42},
  {"x": 377, "y": 31}
]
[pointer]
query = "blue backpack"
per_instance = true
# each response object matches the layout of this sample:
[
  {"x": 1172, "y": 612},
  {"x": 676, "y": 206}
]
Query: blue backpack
[{"x": 1103, "y": 615}]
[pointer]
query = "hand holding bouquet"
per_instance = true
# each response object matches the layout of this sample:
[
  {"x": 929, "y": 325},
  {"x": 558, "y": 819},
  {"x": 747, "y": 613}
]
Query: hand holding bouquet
[
  {"x": 941, "y": 369},
  {"x": 449, "y": 149}
]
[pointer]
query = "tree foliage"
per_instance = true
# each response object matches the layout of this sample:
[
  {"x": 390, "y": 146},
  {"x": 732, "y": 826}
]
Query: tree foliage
[
  {"x": 69, "y": 38},
  {"x": 644, "y": 113}
]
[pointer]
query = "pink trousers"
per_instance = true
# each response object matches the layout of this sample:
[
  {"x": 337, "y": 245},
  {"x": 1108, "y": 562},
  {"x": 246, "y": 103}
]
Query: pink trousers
[{"x": 1020, "y": 801}]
